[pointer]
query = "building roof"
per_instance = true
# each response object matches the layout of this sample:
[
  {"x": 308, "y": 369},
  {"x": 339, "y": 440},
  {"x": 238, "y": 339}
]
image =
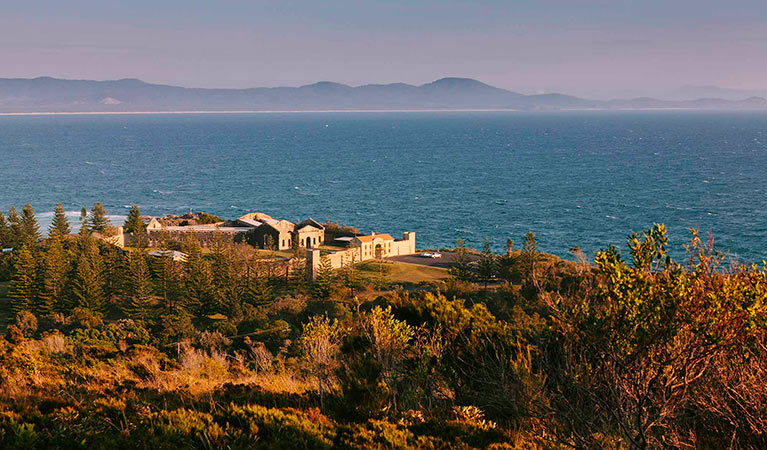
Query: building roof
[
  {"x": 310, "y": 223},
  {"x": 370, "y": 237},
  {"x": 204, "y": 228},
  {"x": 282, "y": 226},
  {"x": 258, "y": 216},
  {"x": 153, "y": 223},
  {"x": 174, "y": 254},
  {"x": 250, "y": 222}
]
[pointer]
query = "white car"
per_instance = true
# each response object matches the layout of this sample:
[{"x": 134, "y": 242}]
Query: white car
[
  {"x": 427, "y": 255},
  {"x": 436, "y": 255}
]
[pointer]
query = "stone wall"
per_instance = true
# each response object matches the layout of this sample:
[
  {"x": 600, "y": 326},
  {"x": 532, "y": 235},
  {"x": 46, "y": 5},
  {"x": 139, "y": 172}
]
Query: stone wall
[{"x": 338, "y": 259}]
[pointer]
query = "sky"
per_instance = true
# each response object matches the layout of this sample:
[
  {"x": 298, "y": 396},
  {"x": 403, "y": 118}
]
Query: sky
[{"x": 591, "y": 48}]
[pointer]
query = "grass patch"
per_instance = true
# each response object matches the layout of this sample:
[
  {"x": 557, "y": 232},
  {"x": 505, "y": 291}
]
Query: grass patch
[
  {"x": 277, "y": 253},
  {"x": 401, "y": 273}
]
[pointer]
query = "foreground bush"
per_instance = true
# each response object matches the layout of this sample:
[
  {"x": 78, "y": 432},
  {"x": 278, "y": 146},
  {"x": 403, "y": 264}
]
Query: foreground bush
[{"x": 111, "y": 424}]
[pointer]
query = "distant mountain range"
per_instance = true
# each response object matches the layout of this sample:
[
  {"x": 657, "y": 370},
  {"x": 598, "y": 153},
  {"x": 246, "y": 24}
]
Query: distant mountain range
[
  {"x": 693, "y": 92},
  {"x": 47, "y": 94}
]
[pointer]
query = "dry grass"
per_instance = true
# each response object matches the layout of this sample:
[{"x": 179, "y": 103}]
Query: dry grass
[
  {"x": 403, "y": 273},
  {"x": 55, "y": 343},
  {"x": 33, "y": 370},
  {"x": 281, "y": 382}
]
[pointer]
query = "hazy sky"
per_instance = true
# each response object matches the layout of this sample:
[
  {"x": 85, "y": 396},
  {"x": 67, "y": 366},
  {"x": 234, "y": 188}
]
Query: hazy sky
[{"x": 592, "y": 47}]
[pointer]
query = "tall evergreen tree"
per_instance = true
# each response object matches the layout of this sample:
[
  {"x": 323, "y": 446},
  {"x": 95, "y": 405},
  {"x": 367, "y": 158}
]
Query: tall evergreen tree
[
  {"x": 98, "y": 220},
  {"x": 530, "y": 256},
  {"x": 509, "y": 247},
  {"x": 227, "y": 275},
  {"x": 298, "y": 250},
  {"x": 134, "y": 224},
  {"x": 84, "y": 222},
  {"x": 22, "y": 288},
  {"x": 325, "y": 283},
  {"x": 54, "y": 275},
  {"x": 88, "y": 281},
  {"x": 349, "y": 275},
  {"x": 198, "y": 281},
  {"x": 138, "y": 291},
  {"x": 167, "y": 274},
  {"x": 4, "y": 231},
  {"x": 30, "y": 229},
  {"x": 461, "y": 268},
  {"x": 15, "y": 233},
  {"x": 113, "y": 263},
  {"x": 260, "y": 291},
  {"x": 487, "y": 266},
  {"x": 60, "y": 222},
  {"x": 296, "y": 275}
]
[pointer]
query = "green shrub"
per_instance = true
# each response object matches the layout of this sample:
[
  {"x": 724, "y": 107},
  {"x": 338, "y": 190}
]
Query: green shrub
[{"x": 283, "y": 429}]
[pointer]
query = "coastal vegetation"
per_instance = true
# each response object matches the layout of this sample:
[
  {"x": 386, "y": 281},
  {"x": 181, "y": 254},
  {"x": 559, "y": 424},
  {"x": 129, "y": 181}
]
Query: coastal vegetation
[{"x": 106, "y": 347}]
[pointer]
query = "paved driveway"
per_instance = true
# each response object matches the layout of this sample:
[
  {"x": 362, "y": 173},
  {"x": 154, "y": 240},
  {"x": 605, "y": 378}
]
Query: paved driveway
[{"x": 446, "y": 261}]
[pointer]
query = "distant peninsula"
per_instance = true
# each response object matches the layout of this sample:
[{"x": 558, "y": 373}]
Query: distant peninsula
[{"x": 52, "y": 95}]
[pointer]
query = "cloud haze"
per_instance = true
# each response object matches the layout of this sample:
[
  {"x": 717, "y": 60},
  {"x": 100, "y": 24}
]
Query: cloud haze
[{"x": 589, "y": 48}]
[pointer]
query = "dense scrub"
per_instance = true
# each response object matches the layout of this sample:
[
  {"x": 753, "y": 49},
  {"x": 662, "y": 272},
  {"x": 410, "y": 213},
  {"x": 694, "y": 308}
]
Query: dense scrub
[{"x": 113, "y": 349}]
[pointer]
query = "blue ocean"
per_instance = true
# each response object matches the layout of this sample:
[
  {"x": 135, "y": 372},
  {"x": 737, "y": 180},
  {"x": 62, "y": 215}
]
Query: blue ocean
[{"x": 574, "y": 178}]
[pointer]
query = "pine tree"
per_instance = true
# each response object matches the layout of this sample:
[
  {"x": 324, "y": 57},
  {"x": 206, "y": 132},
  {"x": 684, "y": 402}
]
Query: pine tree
[
  {"x": 60, "y": 222},
  {"x": 134, "y": 224},
  {"x": 488, "y": 263},
  {"x": 166, "y": 271},
  {"x": 295, "y": 246},
  {"x": 530, "y": 254},
  {"x": 84, "y": 222},
  {"x": 30, "y": 229},
  {"x": 54, "y": 276},
  {"x": 325, "y": 283},
  {"x": 4, "y": 231},
  {"x": 113, "y": 264},
  {"x": 461, "y": 269},
  {"x": 260, "y": 291},
  {"x": 98, "y": 220},
  {"x": 22, "y": 288},
  {"x": 349, "y": 275},
  {"x": 227, "y": 279},
  {"x": 138, "y": 291},
  {"x": 198, "y": 281},
  {"x": 15, "y": 233},
  {"x": 88, "y": 280},
  {"x": 297, "y": 275}
]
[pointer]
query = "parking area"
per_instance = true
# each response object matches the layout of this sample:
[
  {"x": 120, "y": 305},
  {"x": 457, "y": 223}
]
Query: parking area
[{"x": 447, "y": 259}]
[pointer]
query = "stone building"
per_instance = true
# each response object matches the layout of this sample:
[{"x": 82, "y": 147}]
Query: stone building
[
  {"x": 264, "y": 231},
  {"x": 362, "y": 248},
  {"x": 310, "y": 233},
  {"x": 205, "y": 234},
  {"x": 268, "y": 232},
  {"x": 382, "y": 245},
  {"x": 277, "y": 234}
]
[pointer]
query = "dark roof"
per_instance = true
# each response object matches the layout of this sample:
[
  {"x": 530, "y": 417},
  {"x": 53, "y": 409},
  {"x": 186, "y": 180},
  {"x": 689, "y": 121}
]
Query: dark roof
[{"x": 310, "y": 222}]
